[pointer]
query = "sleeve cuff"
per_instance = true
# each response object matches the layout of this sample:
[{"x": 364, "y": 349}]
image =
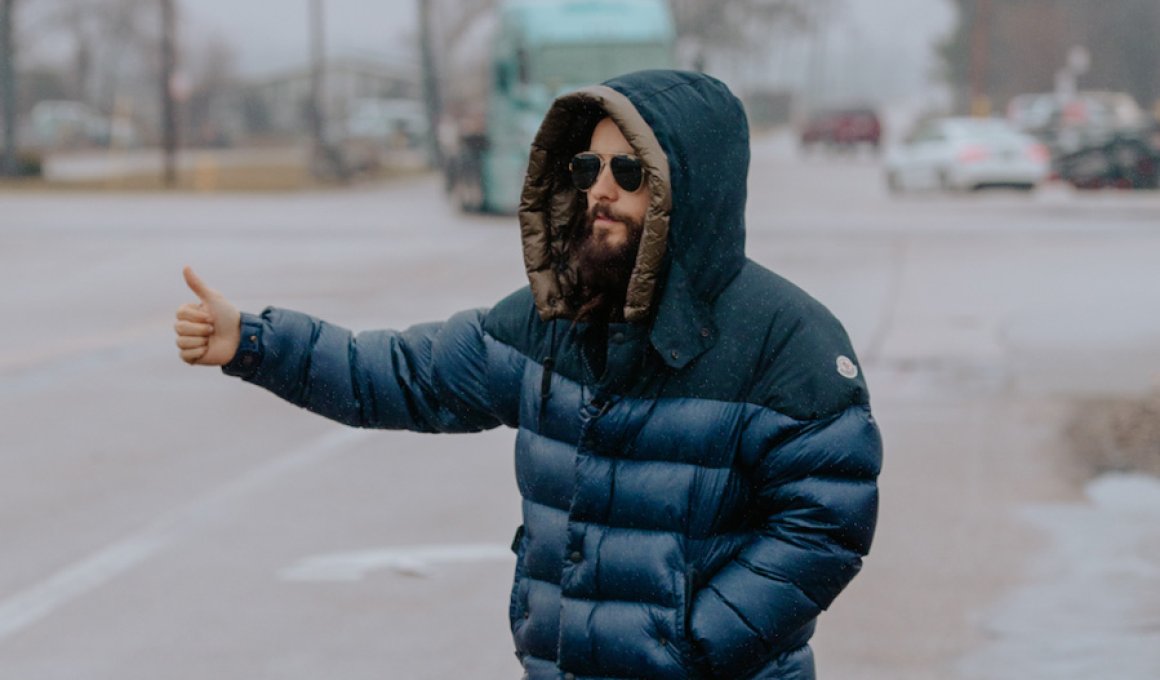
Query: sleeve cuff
[{"x": 249, "y": 355}]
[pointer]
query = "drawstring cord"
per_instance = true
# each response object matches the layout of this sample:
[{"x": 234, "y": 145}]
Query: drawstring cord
[{"x": 546, "y": 381}]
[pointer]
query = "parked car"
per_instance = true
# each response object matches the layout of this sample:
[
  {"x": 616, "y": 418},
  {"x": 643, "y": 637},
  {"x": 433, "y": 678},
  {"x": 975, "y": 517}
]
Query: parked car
[
  {"x": 1123, "y": 160},
  {"x": 396, "y": 123},
  {"x": 1068, "y": 125},
  {"x": 1032, "y": 112},
  {"x": 842, "y": 128},
  {"x": 380, "y": 131},
  {"x": 967, "y": 154}
]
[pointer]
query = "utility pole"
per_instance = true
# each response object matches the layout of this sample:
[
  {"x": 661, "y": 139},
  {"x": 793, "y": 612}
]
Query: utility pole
[
  {"x": 817, "y": 69},
  {"x": 318, "y": 84},
  {"x": 431, "y": 97},
  {"x": 8, "y": 88},
  {"x": 168, "y": 99},
  {"x": 980, "y": 59},
  {"x": 327, "y": 160}
]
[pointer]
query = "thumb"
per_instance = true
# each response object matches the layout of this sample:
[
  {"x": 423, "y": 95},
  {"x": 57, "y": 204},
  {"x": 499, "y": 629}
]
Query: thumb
[{"x": 196, "y": 284}]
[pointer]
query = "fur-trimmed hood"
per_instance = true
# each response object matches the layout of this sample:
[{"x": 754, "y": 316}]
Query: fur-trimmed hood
[{"x": 693, "y": 139}]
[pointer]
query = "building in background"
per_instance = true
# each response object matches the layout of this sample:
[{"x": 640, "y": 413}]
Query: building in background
[
  {"x": 1002, "y": 49},
  {"x": 277, "y": 106}
]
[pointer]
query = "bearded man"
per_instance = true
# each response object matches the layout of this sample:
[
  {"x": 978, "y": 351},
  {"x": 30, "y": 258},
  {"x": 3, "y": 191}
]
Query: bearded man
[{"x": 695, "y": 448}]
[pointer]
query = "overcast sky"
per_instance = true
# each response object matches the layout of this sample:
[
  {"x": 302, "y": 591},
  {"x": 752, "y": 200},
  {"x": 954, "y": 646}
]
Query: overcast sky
[{"x": 270, "y": 36}]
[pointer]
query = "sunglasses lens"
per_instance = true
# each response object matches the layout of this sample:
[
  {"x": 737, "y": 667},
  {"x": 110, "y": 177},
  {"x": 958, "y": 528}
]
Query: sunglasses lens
[
  {"x": 627, "y": 172},
  {"x": 585, "y": 170}
]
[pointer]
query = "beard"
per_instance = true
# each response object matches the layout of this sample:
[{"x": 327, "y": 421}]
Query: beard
[{"x": 604, "y": 268}]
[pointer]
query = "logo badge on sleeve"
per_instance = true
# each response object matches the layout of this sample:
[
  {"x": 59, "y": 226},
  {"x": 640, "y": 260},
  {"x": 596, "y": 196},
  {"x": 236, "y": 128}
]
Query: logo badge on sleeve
[{"x": 847, "y": 368}]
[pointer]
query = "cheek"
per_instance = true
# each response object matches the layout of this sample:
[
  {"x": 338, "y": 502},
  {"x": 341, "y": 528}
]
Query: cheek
[{"x": 638, "y": 206}]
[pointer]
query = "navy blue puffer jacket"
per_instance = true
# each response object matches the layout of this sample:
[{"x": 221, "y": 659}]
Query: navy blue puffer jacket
[{"x": 698, "y": 481}]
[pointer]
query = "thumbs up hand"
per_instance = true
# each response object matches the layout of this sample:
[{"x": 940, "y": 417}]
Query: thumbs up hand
[{"x": 209, "y": 330}]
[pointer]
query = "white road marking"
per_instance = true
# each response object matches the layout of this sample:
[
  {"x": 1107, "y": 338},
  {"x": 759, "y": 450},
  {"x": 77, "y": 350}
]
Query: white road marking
[
  {"x": 38, "y": 601},
  {"x": 410, "y": 561}
]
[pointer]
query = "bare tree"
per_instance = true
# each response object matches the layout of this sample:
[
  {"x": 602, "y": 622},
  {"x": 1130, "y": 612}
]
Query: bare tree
[
  {"x": 83, "y": 21},
  {"x": 452, "y": 19},
  {"x": 735, "y": 25},
  {"x": 328, "y": 161},
  {"x": 1018, "y": 47},
  {"x": 212, "y": 67},
  {"x": 442, "y": 25},
  {"x": 7, "y": 88},
  {"x": 114, "y": 43},
  {"x": 169, "y": 122},
  {"x": 432, "y": 100}
]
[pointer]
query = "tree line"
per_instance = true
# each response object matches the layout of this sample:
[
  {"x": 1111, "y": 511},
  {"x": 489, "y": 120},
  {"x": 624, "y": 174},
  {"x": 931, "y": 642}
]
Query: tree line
[
  {"x": 122, "y": 49},
  {"x": 1002, "y": 48}
]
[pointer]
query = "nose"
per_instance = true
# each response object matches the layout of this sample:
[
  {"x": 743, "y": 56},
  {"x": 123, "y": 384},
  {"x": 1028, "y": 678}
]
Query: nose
[{"x": 605, "y": 190}]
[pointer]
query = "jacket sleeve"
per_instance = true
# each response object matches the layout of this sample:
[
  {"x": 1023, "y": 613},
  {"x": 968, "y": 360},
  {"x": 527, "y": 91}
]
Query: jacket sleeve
[
  {"x": 817, "y": 498},
  {"x": 432, "y": 377}
]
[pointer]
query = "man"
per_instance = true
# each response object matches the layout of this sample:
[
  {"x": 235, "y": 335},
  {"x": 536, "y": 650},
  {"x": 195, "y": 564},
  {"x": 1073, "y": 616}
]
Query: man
[{"x": 696, "y": 453}]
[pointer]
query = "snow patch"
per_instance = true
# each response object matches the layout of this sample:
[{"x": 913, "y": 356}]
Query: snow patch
[{"x": 1091, "y": 608}]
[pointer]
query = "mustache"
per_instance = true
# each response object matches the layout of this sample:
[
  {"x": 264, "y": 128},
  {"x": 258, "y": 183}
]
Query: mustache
[{"x": 605, "y": 211}]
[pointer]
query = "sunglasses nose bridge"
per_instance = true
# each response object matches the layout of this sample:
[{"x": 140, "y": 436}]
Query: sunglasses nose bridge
[
  {"x": 588, "y": 172},
  {"x": 604, "y": 184}
]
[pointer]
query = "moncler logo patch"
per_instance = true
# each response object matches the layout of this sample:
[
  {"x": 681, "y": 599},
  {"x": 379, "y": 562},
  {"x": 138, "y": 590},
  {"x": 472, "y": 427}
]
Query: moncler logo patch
[{"x": 847, "y": 368}]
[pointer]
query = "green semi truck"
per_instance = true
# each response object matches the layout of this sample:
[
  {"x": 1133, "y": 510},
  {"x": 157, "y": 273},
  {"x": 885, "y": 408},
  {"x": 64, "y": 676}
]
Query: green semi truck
[{"x": 506, "y": 75}]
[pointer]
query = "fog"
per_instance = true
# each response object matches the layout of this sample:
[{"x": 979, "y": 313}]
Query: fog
[
  {"x": 382, "y": 29},
  {"x": 865, "y": 54},
  {"x": 180, "y": 526}
]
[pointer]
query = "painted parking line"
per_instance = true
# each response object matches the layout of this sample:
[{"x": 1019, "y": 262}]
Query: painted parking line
[
  {"x": 33, "y": 604},
  {"x": 409, "y": 561}
]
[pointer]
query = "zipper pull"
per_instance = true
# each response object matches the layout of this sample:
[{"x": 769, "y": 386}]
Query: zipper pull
[{"x": 546, "y": 387}]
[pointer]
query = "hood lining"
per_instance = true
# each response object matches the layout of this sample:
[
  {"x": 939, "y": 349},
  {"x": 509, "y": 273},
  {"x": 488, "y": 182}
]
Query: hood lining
[{"x": 549, "y": 204}]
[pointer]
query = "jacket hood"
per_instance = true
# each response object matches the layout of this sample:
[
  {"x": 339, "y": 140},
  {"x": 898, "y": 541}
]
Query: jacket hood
[{"x": 693, "y": 139}]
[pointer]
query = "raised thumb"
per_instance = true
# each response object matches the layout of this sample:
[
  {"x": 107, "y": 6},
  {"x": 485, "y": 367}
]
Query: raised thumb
[{"x": 196, "y": 284}]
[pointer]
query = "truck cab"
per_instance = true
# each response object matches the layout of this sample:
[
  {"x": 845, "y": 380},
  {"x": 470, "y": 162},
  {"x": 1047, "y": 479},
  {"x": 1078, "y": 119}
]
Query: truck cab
[{"x": 540, "y": 49}]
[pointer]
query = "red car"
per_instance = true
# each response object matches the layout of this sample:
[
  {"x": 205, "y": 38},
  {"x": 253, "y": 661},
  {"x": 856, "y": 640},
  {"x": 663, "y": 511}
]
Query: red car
[{"x": 842, "y": 128}]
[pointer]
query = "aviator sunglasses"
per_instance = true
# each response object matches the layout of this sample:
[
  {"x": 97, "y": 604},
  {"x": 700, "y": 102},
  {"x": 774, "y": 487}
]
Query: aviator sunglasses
[{"x": 586, "y": 168}]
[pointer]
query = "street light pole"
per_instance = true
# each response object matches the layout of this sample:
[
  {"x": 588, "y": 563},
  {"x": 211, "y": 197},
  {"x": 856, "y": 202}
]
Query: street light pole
[
  {"x": 7, "y": 89},
  {"x": 320, "y": 157},
  {"x": 980, "y": 59},
  {"x": 430, "y": 82},
  {"x": 168, "y": 103}
]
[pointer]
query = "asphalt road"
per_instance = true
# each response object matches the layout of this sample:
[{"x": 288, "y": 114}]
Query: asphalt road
[{"x": 163, "y": 521}]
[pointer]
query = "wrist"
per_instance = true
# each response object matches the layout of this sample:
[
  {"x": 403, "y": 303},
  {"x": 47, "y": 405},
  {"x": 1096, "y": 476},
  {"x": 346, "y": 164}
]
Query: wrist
[{"x": 248, "y": 355}]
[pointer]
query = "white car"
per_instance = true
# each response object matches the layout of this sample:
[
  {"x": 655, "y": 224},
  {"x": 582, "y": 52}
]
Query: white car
[{"x": 967, "y": 154}]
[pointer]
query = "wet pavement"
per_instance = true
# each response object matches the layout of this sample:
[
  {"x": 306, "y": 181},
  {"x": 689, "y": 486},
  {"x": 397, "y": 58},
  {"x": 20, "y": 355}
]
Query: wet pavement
[{"x": 166, "y": 521}]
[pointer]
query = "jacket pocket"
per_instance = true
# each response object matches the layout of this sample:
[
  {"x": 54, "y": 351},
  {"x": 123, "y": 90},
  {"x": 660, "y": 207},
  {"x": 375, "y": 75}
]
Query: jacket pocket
[
  {"x": 517, "y": 605},
  {"x": 518, "y": 540},
  {"x": 694, "y": 662}
]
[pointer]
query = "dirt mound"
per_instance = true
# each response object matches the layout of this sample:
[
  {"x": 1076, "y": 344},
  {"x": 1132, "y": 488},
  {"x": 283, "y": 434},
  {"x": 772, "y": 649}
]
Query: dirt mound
[{"x": 1117, "y": 435}]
